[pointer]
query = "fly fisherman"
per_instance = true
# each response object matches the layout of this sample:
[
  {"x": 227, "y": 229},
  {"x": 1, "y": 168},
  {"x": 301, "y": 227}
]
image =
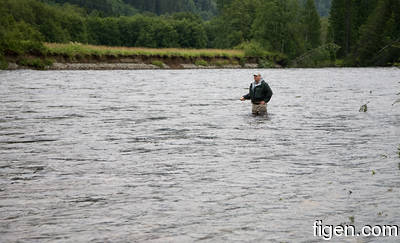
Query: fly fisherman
[{"x": 260, "y": 94}]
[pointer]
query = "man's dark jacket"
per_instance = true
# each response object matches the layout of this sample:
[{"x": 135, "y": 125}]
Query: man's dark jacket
[{"x": 260, "y": 93}]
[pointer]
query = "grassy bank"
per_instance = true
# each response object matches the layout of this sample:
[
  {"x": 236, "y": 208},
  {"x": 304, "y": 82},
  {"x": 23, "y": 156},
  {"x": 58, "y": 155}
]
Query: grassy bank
[
  {"x": 74, "y": 49},
  {"x": 71, "y": 55}
]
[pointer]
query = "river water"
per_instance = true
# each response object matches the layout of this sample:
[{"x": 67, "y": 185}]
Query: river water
[{"x": 174, "y": 156}]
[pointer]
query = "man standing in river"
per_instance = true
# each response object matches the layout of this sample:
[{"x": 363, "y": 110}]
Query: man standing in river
[{"x": 260, "y": 94}]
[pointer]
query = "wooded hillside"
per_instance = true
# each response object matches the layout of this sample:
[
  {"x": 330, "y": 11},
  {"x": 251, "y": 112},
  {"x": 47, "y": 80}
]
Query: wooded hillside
[{"x": 358, "y": 32}]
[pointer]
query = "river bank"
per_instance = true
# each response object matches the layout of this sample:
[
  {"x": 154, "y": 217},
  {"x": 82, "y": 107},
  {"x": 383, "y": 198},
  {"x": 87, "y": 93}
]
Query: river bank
[
  {"x": 128, "y": 63},
  {"x": 76, "y": 56}
]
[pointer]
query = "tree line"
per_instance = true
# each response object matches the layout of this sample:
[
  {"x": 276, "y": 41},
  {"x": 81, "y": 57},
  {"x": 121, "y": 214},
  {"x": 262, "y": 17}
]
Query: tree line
[
  {"x": 368, "y": 31},
  {"x": 106, "y": 8},
  {"x": 205, "y": 8},
  {"x": 100, "y": 7},
  {"x": 65, "y": 23},
  {"x": 357, "y": 32}
]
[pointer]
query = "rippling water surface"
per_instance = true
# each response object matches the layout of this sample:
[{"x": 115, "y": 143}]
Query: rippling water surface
[{"x": 174, "y": 156}]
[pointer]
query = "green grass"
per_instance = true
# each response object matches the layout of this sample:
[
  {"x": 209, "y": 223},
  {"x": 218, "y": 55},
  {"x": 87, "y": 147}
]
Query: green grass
[
  {"x": 220, "y": 63},
  {"x": 339, "y": 63},
  {"x": 157, "y": 63},
  {"x": 201, "y": 62},
  {"x": 78, "y": 49}
]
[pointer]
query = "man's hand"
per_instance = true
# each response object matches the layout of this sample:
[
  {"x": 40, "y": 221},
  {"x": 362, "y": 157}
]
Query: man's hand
[
  {"x": 242, "y": 99},
  {"x": 262, "y": 103}
]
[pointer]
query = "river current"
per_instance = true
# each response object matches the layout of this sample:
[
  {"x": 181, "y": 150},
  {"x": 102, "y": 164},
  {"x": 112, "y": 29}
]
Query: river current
[{"x": 175, "y": 156}]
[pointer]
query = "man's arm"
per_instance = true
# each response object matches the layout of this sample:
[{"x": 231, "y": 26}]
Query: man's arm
[
  {"x": 268, "y": 94},
  {"x": 247, "y": 97}
]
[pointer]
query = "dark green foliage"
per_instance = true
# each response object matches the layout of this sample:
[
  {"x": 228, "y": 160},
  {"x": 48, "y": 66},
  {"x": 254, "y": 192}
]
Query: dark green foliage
[
  {"x": 367, "y": 31},
  {"x": 253, "y": 49},
  {"x": 346, "y": 18},
  {"x": 104, "y": 31},
  {"x": 201, "y": 62},
  {"x": 158, "y": 63},
  {"x": 312, "y": 25},
  {"x": 190, "y": 34},
  {"x": 146, "y": 31},
  {"x": 182, "y": 30},
  {"x": 157, "y": 33},
  {"x": 379, "y": 43},
  {"x": 340, "y": 22},
  {"x": 222, "y": 4},
  {"x": 3, "y": 63},
  {"x": 234, "y": 25},
  {"x": 17, "y": 37},
  {"x": 204, "y": 8},
  {"x": 289, "y": 27},
  {"x": 277, "y": 27},
  {"x": 163, "y": 6},
  {"x": 61, "y": 24},
  {"x": 102, "y": 7},
  {"x": 55, "y": 23}
]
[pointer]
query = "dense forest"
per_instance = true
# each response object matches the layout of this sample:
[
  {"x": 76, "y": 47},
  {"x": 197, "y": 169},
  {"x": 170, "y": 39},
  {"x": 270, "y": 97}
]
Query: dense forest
[
  {"x": 355, "y": 32},
  {"x": 205, "y": 8},
  {"x": 368, "y": 31}
]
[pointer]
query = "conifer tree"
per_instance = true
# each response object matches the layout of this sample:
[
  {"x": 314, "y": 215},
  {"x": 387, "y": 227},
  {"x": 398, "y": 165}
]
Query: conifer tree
[{"x": 312, "y": 25}]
